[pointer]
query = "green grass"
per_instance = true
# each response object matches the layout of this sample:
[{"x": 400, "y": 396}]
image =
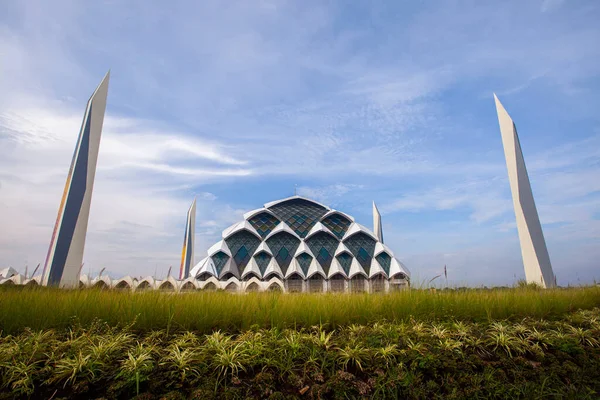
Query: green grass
[
  {"x": 526, "y": 358},
  {"x": 204, "y": 312},
  {"x": 505, "y": 343}
]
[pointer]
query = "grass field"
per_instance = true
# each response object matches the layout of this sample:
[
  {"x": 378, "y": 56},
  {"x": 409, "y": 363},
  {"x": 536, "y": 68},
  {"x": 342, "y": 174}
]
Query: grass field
[
  {"x": 203, "y": 312},
  {"x": 510, "y": 343}
]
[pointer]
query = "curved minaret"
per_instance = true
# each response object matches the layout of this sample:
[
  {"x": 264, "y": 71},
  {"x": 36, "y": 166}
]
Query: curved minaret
[
  {"x": 65, "y": 255},
  {"x": 187, "y": 254},
  {"x": 377, "y": 228},
  {"x": 536, "y": 260}
]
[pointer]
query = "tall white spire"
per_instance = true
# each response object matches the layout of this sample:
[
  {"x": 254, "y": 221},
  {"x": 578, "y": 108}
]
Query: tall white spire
[
  {"x": 187, "y": 253},
  {"x": 65, "y": 254},
  {"x": 377, "y": 228},
  {"x": 536, "y": 260}
]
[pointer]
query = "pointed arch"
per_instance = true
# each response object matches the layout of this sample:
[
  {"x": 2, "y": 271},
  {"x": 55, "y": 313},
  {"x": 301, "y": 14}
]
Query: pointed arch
[
  {"x": 166, "y": 286},
  {"x": 357, "y": 283},
  {"x": 232, "y": 287},
  {"x": 264, "y": 222},
  {"x": 323, "y": 245},
  {"x": 362, "y": 247},
  {"x": 123, "y": 285},
  {"x": 294, "y": 283},
  {"x": 315, "y": 283},
  {"x": 337, "y": 223},
  {"x": 283, "y": 245},
  {"x": 378, "y": 283},
  {"x": 187, "y": 287},
  {"x": 204, "y": 276},
  {"x": 100, "y": 284},
  {"x": 298, "y": 213},
  {"x": 337, "y": 283},
  {"x": 251, "y": 275},
  {"x": 242, "y": 245}
]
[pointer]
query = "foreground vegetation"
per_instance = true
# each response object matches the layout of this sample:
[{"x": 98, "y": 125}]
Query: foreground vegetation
[
  {"x": 527, "y": 359},
  {"x": 517, "y": 343},
  {"x": 204, "y": 312}
]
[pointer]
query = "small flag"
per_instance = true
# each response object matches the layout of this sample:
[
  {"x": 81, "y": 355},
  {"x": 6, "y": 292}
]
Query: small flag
[{"x": 445, "y": 272}]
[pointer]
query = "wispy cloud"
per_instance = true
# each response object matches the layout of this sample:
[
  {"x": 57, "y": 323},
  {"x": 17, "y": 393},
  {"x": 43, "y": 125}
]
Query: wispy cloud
[{"x": 383, "y": 101}]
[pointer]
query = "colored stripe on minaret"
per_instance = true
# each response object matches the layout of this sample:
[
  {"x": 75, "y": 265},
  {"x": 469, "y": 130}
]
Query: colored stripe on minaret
[{"x": 76, "y": 183}]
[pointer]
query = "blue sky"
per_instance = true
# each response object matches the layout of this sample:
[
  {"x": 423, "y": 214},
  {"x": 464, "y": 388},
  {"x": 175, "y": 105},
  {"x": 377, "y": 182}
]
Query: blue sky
[{"x": 238, "y": 102}]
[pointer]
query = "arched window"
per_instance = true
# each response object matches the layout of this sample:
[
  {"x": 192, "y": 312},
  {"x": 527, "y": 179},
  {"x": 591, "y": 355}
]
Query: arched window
[
  {"x": 323, "y": 246},
  {"x": 337, "y": 283},
  {"x": 283, "y": 245},
  {"x": 357, "y": 283},
  {"x": 253, "y": 287},
  {"x": 242, "y": 245},
  {"x": 294, "y": 283},
  {"x": 299, "y": 214},
  {"x": 232, "y": 287},
  {"x": 378, "y": 283},
  {"x": 315, "y": 283},
  {"x": 188, "y": 287},
  {"x": 362, "y": 247}
]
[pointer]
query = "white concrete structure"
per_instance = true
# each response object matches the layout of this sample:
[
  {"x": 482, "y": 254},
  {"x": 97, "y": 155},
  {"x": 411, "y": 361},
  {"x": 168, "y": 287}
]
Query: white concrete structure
[
  {"x": 6, "y": 273},
  {"x": 65, "y": 255},
  {"x": 536, "y": 260},
  {"x": 377, "y": 228},
  {"x": 297, "y": 244},
  {"x": 187, "y": 254}
]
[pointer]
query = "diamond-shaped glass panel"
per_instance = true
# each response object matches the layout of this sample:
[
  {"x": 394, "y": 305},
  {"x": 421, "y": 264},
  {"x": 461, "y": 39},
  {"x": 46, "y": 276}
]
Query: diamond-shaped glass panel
[
  {"x": 323, "y": 246},
  {"x": 262, "y": 260},
  {"x": 220, "y": 259},
  {"x": 283, "y": 253},
  {"x": 300, "y": 215},
  {"x": 242, "y": 245},
  {"x": 384, "y": 260},
  {"x": 362, "y": 247},
  {"x": 283, "y": 245},
  {"x": 304, "y": 260},
  {"x": 345, "y": 261},
  {"x": 264, "y": 223},
  {"x": 337, "y": 224}
]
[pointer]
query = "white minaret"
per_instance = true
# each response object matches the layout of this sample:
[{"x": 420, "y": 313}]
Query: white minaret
[
  {"x": 65, "y": 254},
  {"x": 536, "y": 260},
  {"x": 187, "y": 254},
  {"x": 377, "y": 228}
]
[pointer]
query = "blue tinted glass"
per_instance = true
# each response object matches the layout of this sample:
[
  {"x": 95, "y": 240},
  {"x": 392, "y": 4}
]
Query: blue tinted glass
[
  {"x": 301, "y": 215},
  {"x": 345, "y": 261},
  {"x": 264, "y": 223},
  {"x": 262, "y": 260},
  {"x": 337, "y": 224},
  {"x": 242, "y": 245},
  {"x": 362, "y": 247},
  {"x": 220, "y": 259},
  {"x": 304, "y": 260},
  {"x": 284, "y": 253},
  {"x": 283, "y": 245},
  {"x": 384, "y": 260},
  {"x": 323, "y": 245}
]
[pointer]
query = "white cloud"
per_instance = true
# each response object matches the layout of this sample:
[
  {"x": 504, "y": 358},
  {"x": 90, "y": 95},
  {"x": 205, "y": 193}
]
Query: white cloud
[{"x": 385, "y": 107}]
